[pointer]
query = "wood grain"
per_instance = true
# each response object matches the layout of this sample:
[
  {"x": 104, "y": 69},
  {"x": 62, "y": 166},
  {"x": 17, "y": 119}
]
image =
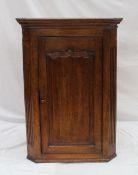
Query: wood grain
[{"x": 70, "y": 88}]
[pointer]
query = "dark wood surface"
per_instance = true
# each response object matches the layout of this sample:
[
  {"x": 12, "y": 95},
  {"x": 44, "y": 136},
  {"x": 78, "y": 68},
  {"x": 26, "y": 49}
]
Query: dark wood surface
[{"x": 70, "y": 88}]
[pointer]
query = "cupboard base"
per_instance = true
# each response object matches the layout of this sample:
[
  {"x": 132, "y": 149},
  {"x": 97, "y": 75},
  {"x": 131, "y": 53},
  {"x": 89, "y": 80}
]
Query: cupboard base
[{"x": 44, "y": 160}]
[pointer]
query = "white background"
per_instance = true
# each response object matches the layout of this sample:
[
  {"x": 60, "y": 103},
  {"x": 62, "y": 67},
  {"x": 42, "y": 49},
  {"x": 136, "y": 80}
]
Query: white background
[
  {"x": 11, "y": 74},
  {"x": 12, "y": 127}
]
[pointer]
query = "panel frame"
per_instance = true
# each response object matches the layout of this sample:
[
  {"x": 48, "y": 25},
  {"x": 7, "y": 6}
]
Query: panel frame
[{"x": 64, "y": 149}]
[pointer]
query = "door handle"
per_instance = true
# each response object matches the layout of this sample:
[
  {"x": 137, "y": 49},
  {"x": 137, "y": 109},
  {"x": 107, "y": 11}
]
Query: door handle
[{"x": 43, "y": 100}]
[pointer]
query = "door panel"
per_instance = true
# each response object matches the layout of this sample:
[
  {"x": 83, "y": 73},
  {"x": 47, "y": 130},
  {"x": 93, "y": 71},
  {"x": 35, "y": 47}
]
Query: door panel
[{"x": 70, "y": 94}]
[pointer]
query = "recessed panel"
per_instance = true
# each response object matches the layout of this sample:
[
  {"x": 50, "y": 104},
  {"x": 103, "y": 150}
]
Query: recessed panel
[{"x": 71, "y": 104}]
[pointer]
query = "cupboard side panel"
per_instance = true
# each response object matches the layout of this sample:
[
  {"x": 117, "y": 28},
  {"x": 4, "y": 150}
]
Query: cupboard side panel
[
  {"x": 30, "y": 67},
  {"x": 109, "y": 92},
  {"x": 113, "y": 86},
  {"x": 27, "y": 89}
]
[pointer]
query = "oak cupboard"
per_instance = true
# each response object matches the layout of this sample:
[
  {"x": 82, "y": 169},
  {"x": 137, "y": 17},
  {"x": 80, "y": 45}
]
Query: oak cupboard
[{"x": 70, "y": 88}]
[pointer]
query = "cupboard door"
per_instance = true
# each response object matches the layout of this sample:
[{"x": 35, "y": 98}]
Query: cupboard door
[{"x": 70, "y": 85}]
